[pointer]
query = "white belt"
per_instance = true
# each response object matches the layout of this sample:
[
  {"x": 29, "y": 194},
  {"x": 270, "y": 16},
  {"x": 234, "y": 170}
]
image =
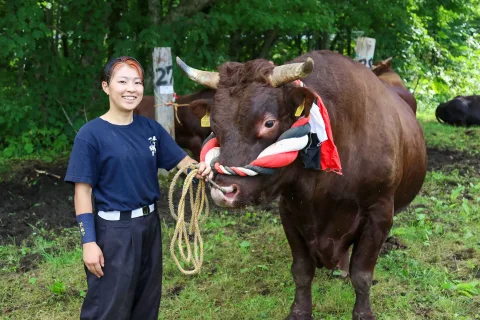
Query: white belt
[{"x": 115, "y": 215}]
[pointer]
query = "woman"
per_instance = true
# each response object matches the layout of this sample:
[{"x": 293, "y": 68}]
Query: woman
[{"x": 116, "y": 157}]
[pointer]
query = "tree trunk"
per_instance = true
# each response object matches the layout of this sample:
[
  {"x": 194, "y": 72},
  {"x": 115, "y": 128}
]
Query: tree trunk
[
  {"x": 309, "y": 41},
  {"x": 65, "y": 45},
  {"x": 187, "y": 9},
  {"x": 333, "y": 44},
  {"x": 299, "y": 44},
  {"x": 234, "y": 51},
  {"x": 323, "y": 41},
  {"x": 349, "y": 42},
  {"x": 154, "y": 13},
  {"x": 57, "y": 32},
  {"x": 49, "y": 23},
  {"x": 270, "y": 38}
]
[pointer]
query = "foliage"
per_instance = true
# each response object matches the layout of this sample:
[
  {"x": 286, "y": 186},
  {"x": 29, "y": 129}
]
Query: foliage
[{"x": 50, "y": 63}]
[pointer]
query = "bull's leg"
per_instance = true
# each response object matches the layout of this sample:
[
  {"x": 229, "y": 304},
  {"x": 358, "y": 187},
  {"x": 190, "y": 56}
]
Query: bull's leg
[
  {"x": 378, "y": 221},
  {"x": 343, "y": 265},
  {"x": 303, "y": 270}
]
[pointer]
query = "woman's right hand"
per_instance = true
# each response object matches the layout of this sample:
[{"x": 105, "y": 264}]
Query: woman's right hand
[{"x": 93, "y": 258}]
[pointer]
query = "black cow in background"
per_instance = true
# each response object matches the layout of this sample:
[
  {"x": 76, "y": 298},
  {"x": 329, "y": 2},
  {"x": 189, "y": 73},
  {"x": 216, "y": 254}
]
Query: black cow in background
[{"x": 461, "y": 111}]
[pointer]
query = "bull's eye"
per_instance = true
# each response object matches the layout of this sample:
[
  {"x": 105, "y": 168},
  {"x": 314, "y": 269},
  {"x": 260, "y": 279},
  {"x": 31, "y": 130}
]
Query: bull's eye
[{"x": 269, "y": 123}]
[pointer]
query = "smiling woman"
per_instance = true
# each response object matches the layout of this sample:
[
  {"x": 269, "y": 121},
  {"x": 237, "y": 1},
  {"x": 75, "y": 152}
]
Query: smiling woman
[
  {"x": 116, "y": 157},
  {"x": 122, "y": 80}
]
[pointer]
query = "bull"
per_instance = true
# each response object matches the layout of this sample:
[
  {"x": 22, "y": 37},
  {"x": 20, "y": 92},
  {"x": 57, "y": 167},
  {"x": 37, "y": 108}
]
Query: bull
[
  {"x": 383, "y": 70},
  {"x": 378, "y": 139},
  {"x": 189, "y": 134},
  {"x": 460, "y": 111}
]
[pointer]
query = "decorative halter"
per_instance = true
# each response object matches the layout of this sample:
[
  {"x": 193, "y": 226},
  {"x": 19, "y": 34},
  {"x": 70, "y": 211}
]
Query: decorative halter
[
  {"x": 285, "y": 150},
  {"x": 280, "y": 154}
]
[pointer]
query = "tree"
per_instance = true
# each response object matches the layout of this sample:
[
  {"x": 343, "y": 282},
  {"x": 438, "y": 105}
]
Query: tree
[{"x": 50, "y": 61}]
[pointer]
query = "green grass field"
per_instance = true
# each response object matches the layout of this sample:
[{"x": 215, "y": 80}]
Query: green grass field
[{"x": 434, "y": 272}]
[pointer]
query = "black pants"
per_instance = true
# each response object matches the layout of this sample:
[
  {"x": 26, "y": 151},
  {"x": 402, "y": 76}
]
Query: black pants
[{"x": 132, "y": 283}]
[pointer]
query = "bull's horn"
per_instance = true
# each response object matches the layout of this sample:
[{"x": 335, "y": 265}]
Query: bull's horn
[
  {"x": 207, "y": 78},
  {"x": 290, "y": 72}
]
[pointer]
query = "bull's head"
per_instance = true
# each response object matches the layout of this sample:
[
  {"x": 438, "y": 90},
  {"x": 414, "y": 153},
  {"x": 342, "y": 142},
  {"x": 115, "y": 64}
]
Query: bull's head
[
  {"x": 253, "y": 105},
  {"x": 383, "y": 66}
]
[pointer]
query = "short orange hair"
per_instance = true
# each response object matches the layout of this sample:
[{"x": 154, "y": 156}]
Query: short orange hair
[{"x": 113, "y": 63}]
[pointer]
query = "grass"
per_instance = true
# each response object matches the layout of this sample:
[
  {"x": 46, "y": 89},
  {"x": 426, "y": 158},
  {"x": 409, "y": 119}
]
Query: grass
[
  {"x": 247, "y": 260},
  {"x": 449, "y": 137}
]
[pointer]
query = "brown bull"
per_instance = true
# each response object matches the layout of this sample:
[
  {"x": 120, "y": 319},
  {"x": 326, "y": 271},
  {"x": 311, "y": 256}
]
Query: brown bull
[
  {"x": 381, "y": 147},
  {"x": 189, "y": 134},
  {"x": 383, "y": 70}
]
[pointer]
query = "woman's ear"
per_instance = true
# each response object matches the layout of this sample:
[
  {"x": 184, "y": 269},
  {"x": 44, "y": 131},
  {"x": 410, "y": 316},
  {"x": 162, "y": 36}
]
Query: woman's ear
[{"x": 105, "y": 87}]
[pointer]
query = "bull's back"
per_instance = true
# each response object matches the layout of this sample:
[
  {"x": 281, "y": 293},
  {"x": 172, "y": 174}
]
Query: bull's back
[
  {"x": 414, "y": 164},
  {"x": 392, "y": 79},
  {"x": 380, "y": 141},
  {"x": 473, "y": 117},
  {"x": 406, "y": 96}
]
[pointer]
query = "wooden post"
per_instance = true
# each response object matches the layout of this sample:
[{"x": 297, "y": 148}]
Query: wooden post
[
  {"x": 163, "y": 92},
  {"x": 364, "y": 50},
  {"x": 163, "y": 89}
]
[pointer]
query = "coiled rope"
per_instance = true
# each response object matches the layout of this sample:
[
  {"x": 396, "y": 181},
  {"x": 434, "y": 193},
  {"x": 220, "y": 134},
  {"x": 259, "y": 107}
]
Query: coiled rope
[{"x": 181, "y": 237}]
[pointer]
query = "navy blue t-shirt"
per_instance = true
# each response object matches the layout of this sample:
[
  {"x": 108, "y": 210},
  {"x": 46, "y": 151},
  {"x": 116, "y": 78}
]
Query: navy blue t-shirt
[{"x": 120, "y": 162}]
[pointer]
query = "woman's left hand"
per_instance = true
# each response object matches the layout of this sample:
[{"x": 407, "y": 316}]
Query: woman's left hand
[{"x": 204, "y": 171}]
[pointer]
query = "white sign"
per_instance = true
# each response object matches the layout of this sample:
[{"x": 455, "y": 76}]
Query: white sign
[
  {"x": 364, "y": 50},
  {"x": 166, "y": 90}
]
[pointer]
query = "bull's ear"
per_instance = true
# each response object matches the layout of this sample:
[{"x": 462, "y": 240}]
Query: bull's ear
[
  {"x": 388, "y": 62},
  {"x": 200, "y": 107},
  {"x": 299, "y": 96}
]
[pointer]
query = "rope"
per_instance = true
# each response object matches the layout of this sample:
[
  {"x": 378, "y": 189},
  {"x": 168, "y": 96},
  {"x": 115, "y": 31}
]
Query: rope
[
  {"x": 280, "y": 154},
  {"x": 175, "y": 106},
  {"x": 181, "y": 238}
]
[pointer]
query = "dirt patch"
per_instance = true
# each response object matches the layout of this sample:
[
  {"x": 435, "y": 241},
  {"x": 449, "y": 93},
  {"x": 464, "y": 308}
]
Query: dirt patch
[
  {"x": 30, "y": 200},
  {"x": 476, "y": 272},
  {"x": 464, "y": 254},
  {"x": 392, "y": 243},
  {"x": 424, "y": 312},
  {"x": 29, "y": 262},
  {"x": 175, "y": 291},
  {"x": 447, "y": 160}
]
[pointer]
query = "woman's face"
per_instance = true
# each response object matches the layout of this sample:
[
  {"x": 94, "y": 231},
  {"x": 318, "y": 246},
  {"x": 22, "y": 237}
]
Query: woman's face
[{"x": 125, "y": 88}]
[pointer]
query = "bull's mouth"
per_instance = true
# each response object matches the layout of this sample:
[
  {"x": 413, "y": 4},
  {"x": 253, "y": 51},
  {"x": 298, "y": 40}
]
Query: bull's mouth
[{"x": 227, "y": 199}]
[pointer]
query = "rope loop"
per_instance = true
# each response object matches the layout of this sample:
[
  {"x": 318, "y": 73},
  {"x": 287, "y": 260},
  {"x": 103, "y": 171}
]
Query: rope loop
[{"x": 186, "y": 230}]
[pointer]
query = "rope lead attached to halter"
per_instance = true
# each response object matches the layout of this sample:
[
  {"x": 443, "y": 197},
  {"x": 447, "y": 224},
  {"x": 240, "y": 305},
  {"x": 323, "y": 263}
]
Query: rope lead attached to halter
[{"x": 181, "y": 237}]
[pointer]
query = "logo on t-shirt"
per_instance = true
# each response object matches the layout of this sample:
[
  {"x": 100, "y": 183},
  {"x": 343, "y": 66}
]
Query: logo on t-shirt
[{"x": 153, "y": 141}]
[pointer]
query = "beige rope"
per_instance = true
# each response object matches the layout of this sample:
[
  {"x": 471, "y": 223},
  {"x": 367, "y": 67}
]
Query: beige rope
[
  {"x": 175, "y": 106},
  {"x": 180, "y": 237}
]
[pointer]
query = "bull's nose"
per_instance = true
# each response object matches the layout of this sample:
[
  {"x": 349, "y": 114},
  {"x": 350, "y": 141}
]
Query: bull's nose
[{"x": 226, "y": 199}]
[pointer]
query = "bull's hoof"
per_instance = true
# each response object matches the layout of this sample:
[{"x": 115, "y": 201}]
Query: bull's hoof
[
  {"x": 363, "y": 316},
  {"x": 299, "y": 316},
  {"x": 340, "y": 274}
]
